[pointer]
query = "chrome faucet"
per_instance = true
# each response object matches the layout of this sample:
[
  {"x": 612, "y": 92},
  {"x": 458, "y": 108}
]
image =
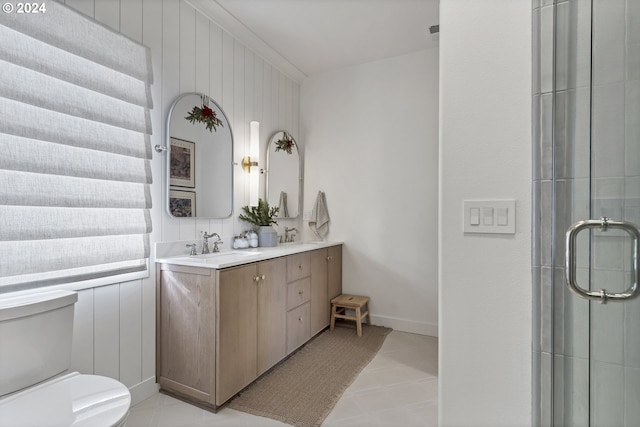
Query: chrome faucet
[
  {"x": 288, "y": 238},
  {"x": 193, "y": 249},
  {"x": 205, "y": 243}
]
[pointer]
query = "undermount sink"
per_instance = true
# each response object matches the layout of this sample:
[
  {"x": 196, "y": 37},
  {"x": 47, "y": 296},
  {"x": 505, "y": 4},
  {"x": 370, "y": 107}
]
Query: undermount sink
[
  {"x": 301, "y": 243},
  {"x": 225, "y": 254},
  {"x": 217, "y": 259}
]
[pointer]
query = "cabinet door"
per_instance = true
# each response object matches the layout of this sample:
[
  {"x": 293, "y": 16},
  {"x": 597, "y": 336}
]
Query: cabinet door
[
  {"x": 236, "y": 330},
  {"x": 272, "y": 318},
  {"x": 320, "y": 306},
  {"x": 186, "y": 331},
  {"x": 334, "y": 271}
]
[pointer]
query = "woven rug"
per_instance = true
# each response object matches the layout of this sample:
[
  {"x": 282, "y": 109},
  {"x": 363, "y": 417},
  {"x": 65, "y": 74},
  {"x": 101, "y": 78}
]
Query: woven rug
[{"x": 303, "y": 389}]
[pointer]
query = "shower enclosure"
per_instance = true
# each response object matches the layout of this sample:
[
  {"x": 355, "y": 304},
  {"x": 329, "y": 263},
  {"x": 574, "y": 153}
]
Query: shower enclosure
[{"x": 587, "y": 167}]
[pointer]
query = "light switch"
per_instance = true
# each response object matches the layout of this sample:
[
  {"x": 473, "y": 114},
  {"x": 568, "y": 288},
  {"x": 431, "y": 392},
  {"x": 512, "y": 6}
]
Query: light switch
[
  {"x": 474, "y": 216},
  {"x": 503, "y": 216},
  {"x": 487, "y": 215}
]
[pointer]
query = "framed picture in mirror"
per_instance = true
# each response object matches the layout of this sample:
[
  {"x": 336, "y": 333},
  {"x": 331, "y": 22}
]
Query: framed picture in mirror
[
  {"x": 182, "y": 203},
  {"x": 182, "y": 163}
]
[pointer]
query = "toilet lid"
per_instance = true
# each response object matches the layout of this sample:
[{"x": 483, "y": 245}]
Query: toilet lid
[{"x": 71, "y": 400}]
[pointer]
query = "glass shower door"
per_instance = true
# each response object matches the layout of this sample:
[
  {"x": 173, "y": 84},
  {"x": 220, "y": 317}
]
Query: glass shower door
[
  {"x": 614, "y": 384},
  {"x": 597, "y": 115}
]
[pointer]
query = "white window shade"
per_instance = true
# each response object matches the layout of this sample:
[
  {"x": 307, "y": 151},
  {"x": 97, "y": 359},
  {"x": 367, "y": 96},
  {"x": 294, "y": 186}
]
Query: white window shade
[{"x": 74, "y": 150}]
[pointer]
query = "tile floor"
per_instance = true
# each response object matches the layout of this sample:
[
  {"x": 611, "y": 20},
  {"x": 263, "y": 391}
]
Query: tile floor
[{"x": 398, "y": 387}]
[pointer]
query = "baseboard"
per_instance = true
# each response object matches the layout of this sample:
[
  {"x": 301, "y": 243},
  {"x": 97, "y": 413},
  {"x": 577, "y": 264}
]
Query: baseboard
[
  {"x": 405, "y": 325},
  {"x": 143, "y": 390}
]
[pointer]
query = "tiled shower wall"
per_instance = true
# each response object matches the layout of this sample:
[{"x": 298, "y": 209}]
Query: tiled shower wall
[
  {"x": 615, "y": 193},
  {"x": 585, "y": 166},
  {"x": 561, "y": 197},
  {"x": 542, "y": 189}
]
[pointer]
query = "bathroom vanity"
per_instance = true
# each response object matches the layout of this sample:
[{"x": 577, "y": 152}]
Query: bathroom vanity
[{"x": 225, "y": 319}]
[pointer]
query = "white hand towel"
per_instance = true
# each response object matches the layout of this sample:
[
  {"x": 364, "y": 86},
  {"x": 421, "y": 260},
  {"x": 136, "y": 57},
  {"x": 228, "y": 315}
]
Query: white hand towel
[
  {"x": 283, "y": 211},
  {"x": 319, "y": 221}
]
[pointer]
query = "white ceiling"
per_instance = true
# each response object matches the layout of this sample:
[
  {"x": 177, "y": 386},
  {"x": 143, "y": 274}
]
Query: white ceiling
[{"x": 314, "y": 36}]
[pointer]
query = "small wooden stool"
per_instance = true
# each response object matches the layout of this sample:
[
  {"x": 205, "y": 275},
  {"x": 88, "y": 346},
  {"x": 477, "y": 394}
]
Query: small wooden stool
[{"x": 339, "y": 307}]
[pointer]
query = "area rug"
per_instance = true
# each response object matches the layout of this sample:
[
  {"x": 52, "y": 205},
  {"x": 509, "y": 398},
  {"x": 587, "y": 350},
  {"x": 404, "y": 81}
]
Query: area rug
[{"x": 303, "y": 389}]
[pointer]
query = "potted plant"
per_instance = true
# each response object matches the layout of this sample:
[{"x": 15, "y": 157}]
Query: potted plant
[{"x": 262, "y": 216}]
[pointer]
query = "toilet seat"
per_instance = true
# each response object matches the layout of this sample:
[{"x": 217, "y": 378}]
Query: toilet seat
[{"x": 70, "y": 400}]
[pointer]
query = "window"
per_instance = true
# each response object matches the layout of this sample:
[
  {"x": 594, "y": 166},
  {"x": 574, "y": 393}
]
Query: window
[{"x": 74, "y": 150}]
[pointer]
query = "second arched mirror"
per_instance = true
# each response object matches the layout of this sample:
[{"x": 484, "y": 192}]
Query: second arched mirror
[{"x": 283, "y": 174}]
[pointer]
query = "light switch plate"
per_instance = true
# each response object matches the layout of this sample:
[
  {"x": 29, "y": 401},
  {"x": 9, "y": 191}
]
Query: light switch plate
[{"x": 489, "y": 216}]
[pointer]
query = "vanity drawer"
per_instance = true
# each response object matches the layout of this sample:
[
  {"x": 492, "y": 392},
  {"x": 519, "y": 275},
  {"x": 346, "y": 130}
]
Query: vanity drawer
[
  {"x": 298, "y": 327},
  {"x": 298, "y": 292},
  {"x": 298, "y": 266}
]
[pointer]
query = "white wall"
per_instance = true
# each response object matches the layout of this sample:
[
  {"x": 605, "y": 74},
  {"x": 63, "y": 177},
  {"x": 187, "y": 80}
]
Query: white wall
[
  {"x": 115, "y": 324},
  {"x": 370, "y": 143},
  {"x": 485, "y": 152}
]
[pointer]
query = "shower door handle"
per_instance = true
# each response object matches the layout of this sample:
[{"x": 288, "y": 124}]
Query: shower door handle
[{"x": 570, "y": 259}]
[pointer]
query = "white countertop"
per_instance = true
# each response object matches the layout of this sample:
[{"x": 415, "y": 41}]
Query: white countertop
[{"x": 234, "y": 257}]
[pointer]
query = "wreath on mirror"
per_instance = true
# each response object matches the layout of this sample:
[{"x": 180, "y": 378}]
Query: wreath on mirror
[
  {"x": 285, "y": 143},
  {"x": 204, "y": 115}
]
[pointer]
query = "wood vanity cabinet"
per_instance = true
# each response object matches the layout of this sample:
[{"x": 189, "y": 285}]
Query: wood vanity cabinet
[{"x": 219, "y": 330}]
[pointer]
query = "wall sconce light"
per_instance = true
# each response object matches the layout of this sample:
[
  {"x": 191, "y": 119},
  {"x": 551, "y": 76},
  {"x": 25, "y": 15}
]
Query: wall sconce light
[
  {"x": 254, "y": 147},
  {"x": 252, "y": 160}
]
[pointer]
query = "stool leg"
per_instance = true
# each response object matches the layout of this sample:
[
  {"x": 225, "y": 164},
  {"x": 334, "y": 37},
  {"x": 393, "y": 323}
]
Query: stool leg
[
  {"x": 333, "y": 316},
  {"x": 358, "y": 322},
  {"x": 368, "y": 315}
]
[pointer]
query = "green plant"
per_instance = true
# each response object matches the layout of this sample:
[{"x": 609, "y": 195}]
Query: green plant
[
  {"x": 285, "y": 143},
  {"x": 260, "y": 215},
  {"x": 204, "y": 115}
]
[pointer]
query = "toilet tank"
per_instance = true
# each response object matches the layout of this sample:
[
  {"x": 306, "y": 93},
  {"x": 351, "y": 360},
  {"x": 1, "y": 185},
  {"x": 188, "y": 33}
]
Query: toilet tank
[{"x": 35, "y": 337}]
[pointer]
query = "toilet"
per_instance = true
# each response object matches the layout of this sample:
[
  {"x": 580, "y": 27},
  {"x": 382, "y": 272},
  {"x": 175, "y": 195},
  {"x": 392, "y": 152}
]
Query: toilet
[{"x": 36, "y": 387}]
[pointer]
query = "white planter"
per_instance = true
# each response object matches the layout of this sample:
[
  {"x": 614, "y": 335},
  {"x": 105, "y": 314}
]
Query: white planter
[{"x": 267, "y": 236}]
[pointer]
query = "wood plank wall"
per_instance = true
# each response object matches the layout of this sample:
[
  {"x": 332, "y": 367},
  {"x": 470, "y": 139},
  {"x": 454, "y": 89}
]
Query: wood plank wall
[{"x": 114, "y": 332}]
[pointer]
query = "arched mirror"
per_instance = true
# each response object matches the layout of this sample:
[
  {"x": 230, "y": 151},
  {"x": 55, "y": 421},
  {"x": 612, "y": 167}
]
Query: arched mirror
[
  {"x": 283, "y": 174},
  {"x": 199, "y": 159}
]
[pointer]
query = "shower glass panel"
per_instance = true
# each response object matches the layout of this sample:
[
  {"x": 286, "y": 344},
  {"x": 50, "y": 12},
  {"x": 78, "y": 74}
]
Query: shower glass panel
[{"x": 596, "y": 167}]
